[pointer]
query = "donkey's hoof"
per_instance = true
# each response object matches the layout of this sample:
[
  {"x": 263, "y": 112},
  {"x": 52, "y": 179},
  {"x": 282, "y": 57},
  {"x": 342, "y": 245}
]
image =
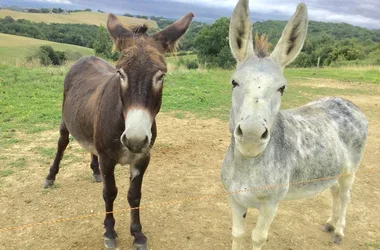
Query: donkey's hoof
[
  {"x": 338, "y": 239},
  {"x": 329, "y": 228},
  {"x": 110, "y": 243},
  {"x": 97, "y": 178},
  {"x": 141, "y": 246},
  {"x": 48, "y": 183}
]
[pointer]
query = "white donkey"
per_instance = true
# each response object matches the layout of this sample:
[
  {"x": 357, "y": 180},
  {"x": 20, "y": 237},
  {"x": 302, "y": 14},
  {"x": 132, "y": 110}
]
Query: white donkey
[{"x": 320, "y": 140}]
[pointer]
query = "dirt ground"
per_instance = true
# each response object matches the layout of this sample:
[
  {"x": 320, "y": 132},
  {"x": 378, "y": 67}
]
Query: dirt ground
[{"x": 186, "y": 162}]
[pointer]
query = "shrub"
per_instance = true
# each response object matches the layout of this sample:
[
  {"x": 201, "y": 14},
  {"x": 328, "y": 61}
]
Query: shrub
[
  {"x": 192, "y": 64},
  {"x": 47, "y": 56},
  {"x": 189, "y": 64}
]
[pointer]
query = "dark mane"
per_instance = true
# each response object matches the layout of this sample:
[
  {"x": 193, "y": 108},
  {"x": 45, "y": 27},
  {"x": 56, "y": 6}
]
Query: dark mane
[
  {"x": 262, "y": 45},
  {"x": 140, "y": 29}
]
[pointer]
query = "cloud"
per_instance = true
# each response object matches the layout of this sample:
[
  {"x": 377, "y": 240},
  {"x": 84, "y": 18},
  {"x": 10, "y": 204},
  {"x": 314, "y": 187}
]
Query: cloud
[
  {"x": 357, "y": 12},
  {"x": 55, "y": 1},
  {"x": 365, "y": 13}
]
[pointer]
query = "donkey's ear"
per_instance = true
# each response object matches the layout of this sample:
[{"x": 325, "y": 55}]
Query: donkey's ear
[
  {"x": 293, "y": 38},
  {"x": 116, "y": 28},
  {"x": 170, "y": 35},
  {"x": 240, "y": 34}
]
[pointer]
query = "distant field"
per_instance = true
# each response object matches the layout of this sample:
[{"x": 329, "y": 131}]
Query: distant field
[
  {"x": 14, "y": 48},
  {"x": 77, "y": 17}
]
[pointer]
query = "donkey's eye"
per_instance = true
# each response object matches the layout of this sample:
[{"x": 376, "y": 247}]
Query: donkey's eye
[
  {"x": 234, "y": 84},
  {"x": 161, "y": 78},
  {"x": 281, "y": 90},
  {"x": 121, "y": 73}
]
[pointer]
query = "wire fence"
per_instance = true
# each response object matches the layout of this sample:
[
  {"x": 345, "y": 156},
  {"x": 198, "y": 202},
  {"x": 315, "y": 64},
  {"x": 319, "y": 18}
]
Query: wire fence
[{"x": 173, "y": 202}]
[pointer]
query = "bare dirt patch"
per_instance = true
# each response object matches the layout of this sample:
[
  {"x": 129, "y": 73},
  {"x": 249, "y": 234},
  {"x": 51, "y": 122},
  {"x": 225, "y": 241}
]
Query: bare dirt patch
[{"x": 186, "y": 163}]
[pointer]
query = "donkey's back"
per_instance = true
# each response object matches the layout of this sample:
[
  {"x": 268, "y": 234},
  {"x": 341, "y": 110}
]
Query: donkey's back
[{"x": 330, "y": 120}]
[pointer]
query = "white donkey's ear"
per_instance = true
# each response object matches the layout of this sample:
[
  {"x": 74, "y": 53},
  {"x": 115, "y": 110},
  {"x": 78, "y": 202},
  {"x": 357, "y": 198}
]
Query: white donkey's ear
[
  {"x": 240, "y": 34},
  {"x": 293, "y": 38}
]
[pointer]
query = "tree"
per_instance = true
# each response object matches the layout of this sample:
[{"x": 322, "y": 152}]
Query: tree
[
  {"x": 102, "y": 43},
  {"x": 212, "y": 44}
]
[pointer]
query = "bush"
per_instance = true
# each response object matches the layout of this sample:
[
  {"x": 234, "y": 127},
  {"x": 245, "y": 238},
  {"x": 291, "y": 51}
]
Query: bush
[
  {"x": 47, "y": 56},
  {"x": 189, "y": 64},
  {"x": 192, "y": 64}
]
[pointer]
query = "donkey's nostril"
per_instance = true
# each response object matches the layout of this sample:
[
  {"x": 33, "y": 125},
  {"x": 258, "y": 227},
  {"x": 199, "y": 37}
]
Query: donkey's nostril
[
  {"x": 265, "y": 135},
  {"x": 239, "y": 132},
  {"x": 124, "y": 140},
  {"x": 145, "y": 142}
]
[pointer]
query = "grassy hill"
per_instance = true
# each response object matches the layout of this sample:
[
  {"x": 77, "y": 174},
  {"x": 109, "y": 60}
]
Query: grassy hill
[
  {"x": 14, "y": 48},
  {"x": 94, "y": 18}
]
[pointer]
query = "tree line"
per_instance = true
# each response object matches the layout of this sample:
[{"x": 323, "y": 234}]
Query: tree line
[
  {"x": 57, "y": 10},
  {"x": 76, "y": 34},
  {"x": 330, "y": 44}
]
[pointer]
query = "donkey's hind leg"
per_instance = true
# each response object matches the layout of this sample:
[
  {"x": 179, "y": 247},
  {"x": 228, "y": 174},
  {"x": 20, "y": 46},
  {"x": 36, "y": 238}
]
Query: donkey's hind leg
[
  {"x": 345, "y": 184},
  {"x": 331, "y": 222},
  {"x": 95, "y": 168},
  {"x": 63, "y": 141}
]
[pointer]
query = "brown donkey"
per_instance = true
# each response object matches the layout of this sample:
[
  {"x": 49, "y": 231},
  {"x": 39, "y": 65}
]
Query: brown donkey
[{"x": 111, "y": 112}]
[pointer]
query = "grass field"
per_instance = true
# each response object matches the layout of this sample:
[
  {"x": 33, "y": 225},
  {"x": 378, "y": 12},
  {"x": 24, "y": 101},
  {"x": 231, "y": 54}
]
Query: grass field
[
  {"x": 77, "y": 17},
  {"x": 17, "y": 48},
  {"x": 32, "y": 96}
]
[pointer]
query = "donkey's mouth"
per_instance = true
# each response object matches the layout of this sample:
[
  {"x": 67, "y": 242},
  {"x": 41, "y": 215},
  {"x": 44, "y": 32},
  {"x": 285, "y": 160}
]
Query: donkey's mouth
[{"x": 249, "y": 149}]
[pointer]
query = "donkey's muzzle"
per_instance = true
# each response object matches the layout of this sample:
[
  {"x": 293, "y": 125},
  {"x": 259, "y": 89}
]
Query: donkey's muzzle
[
  {"x": 134, "y": 143},
  {"x": 251, "y": 137}
]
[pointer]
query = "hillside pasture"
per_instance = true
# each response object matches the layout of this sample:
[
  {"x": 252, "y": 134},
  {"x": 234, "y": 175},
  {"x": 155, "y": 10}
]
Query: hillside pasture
[
  {"x": 86, "y": 17},
  {"x": 193, "y": 136},
  {"x": 14, "y": 49}
]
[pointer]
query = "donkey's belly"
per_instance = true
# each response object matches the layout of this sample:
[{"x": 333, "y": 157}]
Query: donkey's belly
[
  {"x": 125, "y": 156},
  {"x": 300, "y": 191},
  {"x": 89, "y": 147}
]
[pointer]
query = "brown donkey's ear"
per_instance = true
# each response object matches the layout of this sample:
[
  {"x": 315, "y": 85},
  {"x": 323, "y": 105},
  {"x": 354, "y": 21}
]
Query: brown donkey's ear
[
  {"x": 117, "y": 30},
  {"x": 170, "y": 35}
]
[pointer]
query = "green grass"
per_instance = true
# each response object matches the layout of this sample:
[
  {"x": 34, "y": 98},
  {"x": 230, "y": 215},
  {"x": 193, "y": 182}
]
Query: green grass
[
  {"x": 6, "y": 172},
  {"x": 18, "y": 48},
  {"x": 175, "y": 59},
  {"x": 369, "y": 74},
  {"x": 31, "y": 98},
  {"x": 375, "y": 245},
  {"x": 19, "y": 163},
  {"x": 11, "y": 167},
  {"x": 46, "y": 152}
]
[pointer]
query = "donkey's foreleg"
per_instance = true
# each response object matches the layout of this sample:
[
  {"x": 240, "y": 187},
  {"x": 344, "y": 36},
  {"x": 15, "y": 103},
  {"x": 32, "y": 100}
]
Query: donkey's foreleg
[
  {"x": 331, "y": 222},
  {"x": 260, "y": 233},
  {"x": 134, "y": 197},
  {"x": 95, "y": 168},
  {"x": 107, "y": 167},
  {"x": 63, "y": 141},
  {"x": 238, "y": 223},
  {"x": 345, "y": 184}
]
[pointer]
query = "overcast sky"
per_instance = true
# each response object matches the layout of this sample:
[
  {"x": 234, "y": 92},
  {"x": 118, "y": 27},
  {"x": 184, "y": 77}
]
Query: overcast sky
[{"x": 365, "y": 13}]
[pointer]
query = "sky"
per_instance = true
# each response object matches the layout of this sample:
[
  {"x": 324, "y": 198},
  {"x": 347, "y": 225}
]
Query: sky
[{"x": 364, "y": 13}]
